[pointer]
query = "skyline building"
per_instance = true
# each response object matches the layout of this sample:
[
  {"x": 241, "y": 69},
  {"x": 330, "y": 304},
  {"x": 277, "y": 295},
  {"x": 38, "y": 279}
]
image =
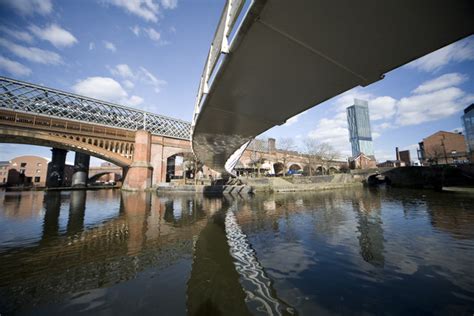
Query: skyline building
[
  {"x": 468, "y": 122},
  {"x": 360, "y": 134}
]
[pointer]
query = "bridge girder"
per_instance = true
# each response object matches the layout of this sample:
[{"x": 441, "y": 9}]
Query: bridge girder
[
  {"x": 23, "y": 97},
  {"x": 64, "y": 141}
]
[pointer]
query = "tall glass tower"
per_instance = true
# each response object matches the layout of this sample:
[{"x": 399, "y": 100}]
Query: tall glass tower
[
  {"x": 360, "y": 134},
  {"x": 468, "y": 122}
]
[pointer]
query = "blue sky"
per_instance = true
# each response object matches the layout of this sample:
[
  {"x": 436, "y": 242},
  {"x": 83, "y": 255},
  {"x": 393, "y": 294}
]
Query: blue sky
[{"x": 149, "y": 54}]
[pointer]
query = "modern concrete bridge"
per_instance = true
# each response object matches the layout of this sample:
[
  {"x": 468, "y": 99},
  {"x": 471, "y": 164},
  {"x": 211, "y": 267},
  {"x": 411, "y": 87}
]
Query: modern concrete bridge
[
  {"x": 288, "y": 56},
  {"x": 139, "y": 141}
]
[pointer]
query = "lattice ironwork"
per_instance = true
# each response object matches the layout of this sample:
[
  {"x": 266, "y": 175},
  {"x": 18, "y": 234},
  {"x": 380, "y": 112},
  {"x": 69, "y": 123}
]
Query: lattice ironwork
[{"x": 29, "y": 98}]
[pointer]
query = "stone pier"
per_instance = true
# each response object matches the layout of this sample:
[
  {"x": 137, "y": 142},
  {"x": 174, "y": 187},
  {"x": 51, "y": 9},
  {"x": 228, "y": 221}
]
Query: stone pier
[
  {"x": 55, "y": 175},
  {"x": 81, "y": 170},
  {"x": 139, "y": 174}
]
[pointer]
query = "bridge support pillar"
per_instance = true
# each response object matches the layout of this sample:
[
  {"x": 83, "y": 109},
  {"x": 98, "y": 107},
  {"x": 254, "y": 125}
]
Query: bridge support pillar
[
  {"x": 55, "y": 174},
  {"x": 81, "y": 170},
  {"x": 139, "y": 175}
]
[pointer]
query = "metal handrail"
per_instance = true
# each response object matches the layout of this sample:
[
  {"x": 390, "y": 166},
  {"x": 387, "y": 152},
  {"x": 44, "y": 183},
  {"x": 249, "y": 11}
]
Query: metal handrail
[{"x": 219, "y": 45}]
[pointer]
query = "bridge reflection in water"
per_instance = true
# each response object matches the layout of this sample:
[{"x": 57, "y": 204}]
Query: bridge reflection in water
[{"x": 119, "y": 252}]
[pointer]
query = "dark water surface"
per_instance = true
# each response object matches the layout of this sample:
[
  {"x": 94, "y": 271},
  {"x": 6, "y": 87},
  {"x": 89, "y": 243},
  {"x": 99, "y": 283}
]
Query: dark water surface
[{"x": 357, "y": 251}]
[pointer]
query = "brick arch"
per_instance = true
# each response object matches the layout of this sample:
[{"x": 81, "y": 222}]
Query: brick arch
[
  {"x": 97, "y": 176},
  {"x": 291, "y": 163}
]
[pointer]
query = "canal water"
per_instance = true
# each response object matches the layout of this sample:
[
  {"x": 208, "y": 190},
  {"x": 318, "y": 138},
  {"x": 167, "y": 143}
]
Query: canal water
[{"x": 352, "y": 251}]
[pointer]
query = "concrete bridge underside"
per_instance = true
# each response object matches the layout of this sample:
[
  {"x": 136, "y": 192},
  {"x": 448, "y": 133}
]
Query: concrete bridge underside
[{"x": 288, "y": 56}]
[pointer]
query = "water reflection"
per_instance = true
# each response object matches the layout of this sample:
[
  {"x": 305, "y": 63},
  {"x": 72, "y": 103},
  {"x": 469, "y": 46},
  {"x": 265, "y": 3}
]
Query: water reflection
[
  {"x": 214, "y": 282},
  {"x": 367, "y": 207},
  {"x": 77, "y": 210},
  {"x": 52, "y": 206},
  {"x": 353, "y": 251},
  {"x": 104, "y": 253},
  {"x": 335, "y": 252},
  {"x": 21, "y": 205}
]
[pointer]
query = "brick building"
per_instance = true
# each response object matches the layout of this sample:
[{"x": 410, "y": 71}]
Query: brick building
[
  {"x": 4, "y": 172},
  {"x": 362, "y": 161},
  {"x": 27, "y": 171},
  {"x": 31, "y": 171},
  {"x": 442, "y": 148},
  {"x": 403, "y": 157}
]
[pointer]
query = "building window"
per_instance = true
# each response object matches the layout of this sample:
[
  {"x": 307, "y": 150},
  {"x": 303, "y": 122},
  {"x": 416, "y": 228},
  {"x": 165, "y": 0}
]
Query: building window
[
  {"x": 22, "y": 171},
  {"x": 37, "y": 179},
  {"x": 39, "y": 164},
  {"x": 23, "y": 165},
  {"x": 38, "y": 170}
]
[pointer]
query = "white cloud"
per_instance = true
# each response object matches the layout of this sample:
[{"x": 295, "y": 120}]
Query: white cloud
[
  {"x": 333, "y": 131},
  {"x": 19, "y": 35},
  {"x": 128, "y": 84},
  {"x": 456, "y": 52},
  {"x": 122, "y": 70},
  {"x": 435, "y": 99},
  {"x": 428, "y": 107},
  {"x": 152, "y": 34},
  {"x": 146, "y": 9},
  {"x": 379, "y": 107},
  {"x": 91, "y": 46},
  {"x": 54, "y": 34},
  {"x": 135, "y": 30},
  {"x": 346, "y": 99},
  {"x": 447, "y": 80},
  {"x": 32, "y": 54},
  {"x": 382, "y": 108},
  {"x": 107, "y": 89},
  {"x": 102, "y": 88},
  {"x": 468, "y": 99},
  {"x": 382, "y": 126},
  {"x": 169, "y": 4},
  {"x": 110, "y": 46},
  {"x": 141, "y": 75},
  {"x": 30, "y": 7},
  {"x": 152, "y": 80},
  {"x": 14, "y": 67},
  {"x": 294, "y": 119},
  {"x": 432, "y": 100},
  {"x": 134, "y": 100}
]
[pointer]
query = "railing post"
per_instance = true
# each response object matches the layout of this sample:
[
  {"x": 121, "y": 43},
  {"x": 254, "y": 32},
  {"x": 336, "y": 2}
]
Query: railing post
[{"x": 225, "y": 41}]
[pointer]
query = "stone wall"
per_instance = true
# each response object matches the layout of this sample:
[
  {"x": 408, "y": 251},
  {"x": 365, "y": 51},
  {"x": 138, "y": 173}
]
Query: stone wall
[{"x": 428, "y": 177}]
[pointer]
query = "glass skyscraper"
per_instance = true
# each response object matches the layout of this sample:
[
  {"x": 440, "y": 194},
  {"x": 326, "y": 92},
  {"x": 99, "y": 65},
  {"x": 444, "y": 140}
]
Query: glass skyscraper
[
  {"x": 360, "y": 134},
  {"x": 468, "y": 122}
]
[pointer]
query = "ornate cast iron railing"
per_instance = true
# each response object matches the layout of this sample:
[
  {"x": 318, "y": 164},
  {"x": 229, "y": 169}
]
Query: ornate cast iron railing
[{"x": 30, "y": 98}]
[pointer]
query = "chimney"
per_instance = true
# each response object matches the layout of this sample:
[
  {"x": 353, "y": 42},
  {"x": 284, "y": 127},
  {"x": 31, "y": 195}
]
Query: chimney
[
  {"x": 397, "y": 154},
  {"x": 271, "y": 145}
]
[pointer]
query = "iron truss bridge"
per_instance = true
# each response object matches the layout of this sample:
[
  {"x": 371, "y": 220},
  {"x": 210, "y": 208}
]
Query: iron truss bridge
[{"x": 25, "y": 97}]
